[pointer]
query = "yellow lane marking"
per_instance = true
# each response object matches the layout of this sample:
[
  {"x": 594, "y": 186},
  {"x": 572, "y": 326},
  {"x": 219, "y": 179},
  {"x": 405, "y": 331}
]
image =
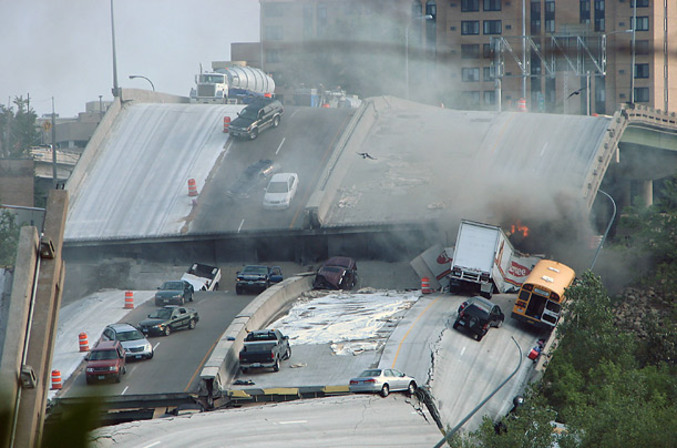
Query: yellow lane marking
[{"x": 399, "y": 347}]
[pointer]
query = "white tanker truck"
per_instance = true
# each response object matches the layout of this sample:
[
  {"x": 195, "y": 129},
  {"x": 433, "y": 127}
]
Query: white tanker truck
[{"x": 231, "y": 82}]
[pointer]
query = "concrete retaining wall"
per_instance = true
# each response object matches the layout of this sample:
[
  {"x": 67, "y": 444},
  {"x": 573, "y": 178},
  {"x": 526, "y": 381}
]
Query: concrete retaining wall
[{"x": 222, "y": 365}]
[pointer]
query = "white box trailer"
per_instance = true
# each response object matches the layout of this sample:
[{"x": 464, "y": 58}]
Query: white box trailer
[{"x": 482, "y": 257}]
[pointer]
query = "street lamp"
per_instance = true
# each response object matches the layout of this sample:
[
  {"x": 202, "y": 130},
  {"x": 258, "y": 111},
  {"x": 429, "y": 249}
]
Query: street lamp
[
  {"x": 606, "y": 232},
  {"x": 143, "y": 77},
  {"x": 406, "y": 50}
]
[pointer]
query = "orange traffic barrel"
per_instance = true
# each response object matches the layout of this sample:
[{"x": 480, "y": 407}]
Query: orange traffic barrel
[
  {"x": 425, "y": 286},
  {"x": 56, "y": 379},
  {"x": 84, "y": 343},
  {"x": 226, "y": 124},
  {"x": 522, "y": 105},
  {"x": 129, "y": 300},
  {"x": 192, "y": 187}
]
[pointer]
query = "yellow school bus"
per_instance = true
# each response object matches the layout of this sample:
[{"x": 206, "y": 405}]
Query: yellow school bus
[{"x": 541, "y": 296}]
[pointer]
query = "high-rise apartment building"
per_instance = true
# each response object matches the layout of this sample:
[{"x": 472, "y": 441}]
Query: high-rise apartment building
[{"x": 571, "y": 56}]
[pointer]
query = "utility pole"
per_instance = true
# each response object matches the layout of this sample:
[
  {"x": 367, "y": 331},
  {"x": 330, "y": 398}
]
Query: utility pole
[{"x": 54, "y": 170}]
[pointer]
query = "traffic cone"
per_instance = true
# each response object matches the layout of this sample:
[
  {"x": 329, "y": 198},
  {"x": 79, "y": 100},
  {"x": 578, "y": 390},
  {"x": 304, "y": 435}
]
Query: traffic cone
[
  {"x": 129, "y": 300},
  {"x": 84, "y": 343},
  {"x": 56, "y": 379}
]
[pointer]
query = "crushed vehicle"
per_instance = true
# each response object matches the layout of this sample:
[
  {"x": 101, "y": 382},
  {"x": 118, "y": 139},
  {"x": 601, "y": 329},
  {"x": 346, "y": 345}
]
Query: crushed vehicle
[
  {"x": 336, "y": 273},
  {"x": 169, "y": 318},
  {"x": 203, "y": 277},
  {"x": 257, "y": 278},
  {"x": 105, "y": 362},
  {"x": 264, "y": 349},
  {"x": 477, "y": 315},
  {"x": 175, "y": 292},
  {"x": 254, "y": 175},
  {"x": 258, "y": 116}
]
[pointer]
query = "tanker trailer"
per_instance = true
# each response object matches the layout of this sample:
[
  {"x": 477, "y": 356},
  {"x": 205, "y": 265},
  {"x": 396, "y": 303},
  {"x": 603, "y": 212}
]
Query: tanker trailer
[{"x": 232, "y": 83}]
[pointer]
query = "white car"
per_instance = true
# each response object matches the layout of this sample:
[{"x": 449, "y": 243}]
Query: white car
[
  {"x": 383, "y": 381},
  {"x": 280, "y": 191}
]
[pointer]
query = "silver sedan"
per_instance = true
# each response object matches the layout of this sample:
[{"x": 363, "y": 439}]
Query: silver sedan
[{"x": 383, "y": 381}]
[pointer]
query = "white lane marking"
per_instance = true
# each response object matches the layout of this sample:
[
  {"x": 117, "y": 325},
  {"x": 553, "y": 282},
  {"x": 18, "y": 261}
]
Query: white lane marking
[
  {"x": 240, "y": 226},
  {"x": 156, "y": 346},
  {"x": 545, "y": 146},
  {"x": 124, "y": 390},
  {"x": 293, "y": 422},
  {"x": 281, "y": 143},
  {"x": 463, "y": 351},
  {"x": 156, "y": 443},
  {"x": 228, "y": 145}
]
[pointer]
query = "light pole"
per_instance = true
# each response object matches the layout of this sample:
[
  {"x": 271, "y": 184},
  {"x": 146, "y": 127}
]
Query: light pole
[
  {"x": 116, "y": 87},
  {"x": 606, "y": 232},
  {"x": 406, "y": 51},
  {"x": 143, "y": 77},
  {"x": 632, "y": 59},
  {"x": 450, "y": 434}
]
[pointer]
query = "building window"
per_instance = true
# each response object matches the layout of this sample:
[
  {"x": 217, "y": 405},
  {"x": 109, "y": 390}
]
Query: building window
[
  {"x": 492, "y": 27},
  {"x": 321, "y": 19},
  {"x": 273, "y": 10},
  {"x": 470, "y": 5},
  {"x": 535, "y": 17},
  {"x": 487, "y": 52},
  {"x": 641, "y": 94},
  {"x": 470, "y": 27},
  {"x": 492, "y": 5},
  {"x": 640, "y": 3},
  {"x": 549, "y": 16},
  {"x": 584, "y": 11},
  {"x": 641, "y": 70},
  {"x": 599, "y": 15},
  {"x": 273, "y": 55},
  {"x": 470, "y": 51},
  {"x": 272, "y": 32},
  {"x": 431, "y": 8},
  {"x": 470, "y": 74},
  {"x": 642, "y": 24},
  {"x": 471, "y": 97},
  {"x": 307, "y": 21},
  {"x": 642, "y": 48},
  {"x": 489, "y": 97},
  {"x": 488, "y": 73}
]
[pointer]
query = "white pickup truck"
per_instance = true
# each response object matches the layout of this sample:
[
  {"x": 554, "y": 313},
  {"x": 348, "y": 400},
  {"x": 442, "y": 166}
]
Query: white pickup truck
[{"x": 203, "y": 277}]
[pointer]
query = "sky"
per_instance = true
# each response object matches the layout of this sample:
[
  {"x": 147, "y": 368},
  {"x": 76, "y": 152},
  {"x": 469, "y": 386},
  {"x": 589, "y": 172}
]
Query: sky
[{"x": 63, "y": 50}]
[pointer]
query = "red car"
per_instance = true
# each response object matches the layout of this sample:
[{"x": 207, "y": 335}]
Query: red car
[{"x": 336, "y": 273}]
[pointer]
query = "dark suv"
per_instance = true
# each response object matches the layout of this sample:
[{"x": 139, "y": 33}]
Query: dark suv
[
  {"x": 257, "y": 278},
  {"x": 477, "y": 314},
  {"x": 256, "y": 117},
  {"x": 105, "y": 361}
]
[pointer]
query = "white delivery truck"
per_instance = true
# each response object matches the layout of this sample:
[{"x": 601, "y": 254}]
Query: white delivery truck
[{"x": 482, "y": 257}]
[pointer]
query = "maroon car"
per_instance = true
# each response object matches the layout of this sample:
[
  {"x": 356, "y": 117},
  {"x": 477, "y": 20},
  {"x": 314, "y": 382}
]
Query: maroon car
[{"x": 336, "y": 273}]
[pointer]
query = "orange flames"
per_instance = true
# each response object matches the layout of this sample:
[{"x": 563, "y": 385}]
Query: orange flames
[{"x": 518, "y": 227}]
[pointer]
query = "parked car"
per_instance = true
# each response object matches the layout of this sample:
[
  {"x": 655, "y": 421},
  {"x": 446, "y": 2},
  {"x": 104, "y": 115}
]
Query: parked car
[
  {"x": 132, "y": 339},
  {"x": 383, "y": 381},
  {"x": 478, "y": 315},
  {"x": 280, "y": 191},
  {"x": 257, "y": 278},
  {"x": 175, "y": 292},
  {"x": 336, "y": 273},
  {"x": 256, "y": 117},
  {"x": 255, "y": 174},
  {"x": 169, "y": 318},
  {"x": 105, "y": 361},
  {"x": 264, "y": 348}
]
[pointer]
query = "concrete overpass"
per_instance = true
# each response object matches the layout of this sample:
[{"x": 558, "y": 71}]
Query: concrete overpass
[{"x": 399, "y": 172}]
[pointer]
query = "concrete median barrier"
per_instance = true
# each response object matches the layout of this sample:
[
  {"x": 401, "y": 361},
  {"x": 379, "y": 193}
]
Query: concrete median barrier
[{"x": 221, "y": 367}]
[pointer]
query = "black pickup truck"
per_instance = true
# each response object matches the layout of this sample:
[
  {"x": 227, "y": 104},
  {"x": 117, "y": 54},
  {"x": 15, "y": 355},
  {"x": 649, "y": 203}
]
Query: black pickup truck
[{"x": 264, "y": 348}]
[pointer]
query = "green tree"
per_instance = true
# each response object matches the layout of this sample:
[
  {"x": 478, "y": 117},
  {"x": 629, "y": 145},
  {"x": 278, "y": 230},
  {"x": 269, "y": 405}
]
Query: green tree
[
  {"x": 9, "y": 238},
  {"x": 18, "y": 130}
]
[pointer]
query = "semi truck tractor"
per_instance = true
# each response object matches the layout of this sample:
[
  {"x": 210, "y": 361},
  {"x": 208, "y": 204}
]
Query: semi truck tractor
[{"x": 233, "y": 83}]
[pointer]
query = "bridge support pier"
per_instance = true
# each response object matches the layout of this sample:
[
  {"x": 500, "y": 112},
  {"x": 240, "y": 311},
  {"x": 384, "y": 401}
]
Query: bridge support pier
[{"x": 647, "y": 192}]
